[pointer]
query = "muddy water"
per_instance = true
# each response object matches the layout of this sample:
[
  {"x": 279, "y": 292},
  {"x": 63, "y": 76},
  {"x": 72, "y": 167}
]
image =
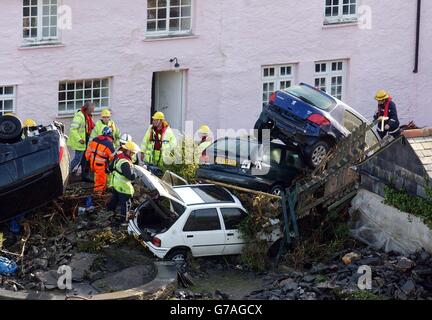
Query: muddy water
[{"x": 236, "y": 284}]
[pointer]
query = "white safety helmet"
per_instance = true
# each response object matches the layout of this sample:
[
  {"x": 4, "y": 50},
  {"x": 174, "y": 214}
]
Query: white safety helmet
[{"x": 125, "y": 138}]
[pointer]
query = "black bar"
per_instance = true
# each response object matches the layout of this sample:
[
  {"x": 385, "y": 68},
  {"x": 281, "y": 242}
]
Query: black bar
[{"x": 417, "y": 48}]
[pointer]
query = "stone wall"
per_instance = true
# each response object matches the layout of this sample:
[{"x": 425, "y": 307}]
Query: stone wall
[{"x": 398, "y": 166}]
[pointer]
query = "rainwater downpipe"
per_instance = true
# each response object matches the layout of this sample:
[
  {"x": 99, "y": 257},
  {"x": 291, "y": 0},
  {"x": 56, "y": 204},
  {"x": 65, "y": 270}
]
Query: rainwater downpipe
[{"x": 417, "y": 46}]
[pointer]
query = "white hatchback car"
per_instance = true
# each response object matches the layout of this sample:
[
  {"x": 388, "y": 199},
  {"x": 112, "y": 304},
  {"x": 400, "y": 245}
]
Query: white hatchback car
[{"x": 200, "y": 219}]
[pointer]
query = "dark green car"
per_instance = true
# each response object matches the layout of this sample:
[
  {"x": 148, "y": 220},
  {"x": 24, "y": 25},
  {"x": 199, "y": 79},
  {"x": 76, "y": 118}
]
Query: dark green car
[{"x": 245, "y": 163}]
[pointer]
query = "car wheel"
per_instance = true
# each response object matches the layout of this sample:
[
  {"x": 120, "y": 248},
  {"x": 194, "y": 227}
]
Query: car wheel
[
  {"x": 10, "y": 129},
  {"x": 317, "y": 153},
  {"x": 277, "y": 190},
  {"x": 261, "y": 125},
  {"x": 178, "y": 256}
]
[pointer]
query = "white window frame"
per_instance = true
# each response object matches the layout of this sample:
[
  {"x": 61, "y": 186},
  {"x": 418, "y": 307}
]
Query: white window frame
[
  {"x": 78, "y": 102},
  {"x": 326, "y": 78},
  {"x": 276, "y": 80},
  {"x": 340, "y": 17},
  {"x": 166, "y": 32},
  {"x": 4, "y": 97},
  {"x": 40, "y": 38}
]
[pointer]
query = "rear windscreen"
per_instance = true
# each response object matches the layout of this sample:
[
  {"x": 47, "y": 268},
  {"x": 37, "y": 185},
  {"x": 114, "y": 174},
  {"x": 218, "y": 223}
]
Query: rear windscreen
[
  {"x": 312, "y": 96},
  {"x": 212, "y": 194}
]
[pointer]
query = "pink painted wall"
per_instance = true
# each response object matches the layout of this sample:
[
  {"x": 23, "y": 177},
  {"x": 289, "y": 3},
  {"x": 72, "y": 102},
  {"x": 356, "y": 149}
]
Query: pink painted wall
[{"x": 233, "y": 40}]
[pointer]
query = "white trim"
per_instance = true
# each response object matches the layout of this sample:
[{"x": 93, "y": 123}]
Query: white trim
[
  {"x": 340, "y": 18},
  {"x": 40, "y": 39},
  {"x": 329, "y": 74},
  {"x": 167, "y": 33},
  {"x": 8, "y": 97}
]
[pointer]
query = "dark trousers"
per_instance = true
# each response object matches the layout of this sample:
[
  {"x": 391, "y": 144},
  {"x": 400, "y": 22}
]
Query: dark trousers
[{"x": 121, "y": 199}]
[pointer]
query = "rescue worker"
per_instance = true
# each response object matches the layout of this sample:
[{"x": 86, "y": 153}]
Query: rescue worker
[
  {"x": 99, "y": 152},
  {"x": 122, "y": 141},
  {"x": 106, "y": 121},
  {"x": 28, "y": 126},
  {"x": 204, "y": 143},
  {"x": 79, "y": 135},
  {"x": 123, "y": 176},
  {"x": 158, "y": 142},
  {"x": 387, "y": 115}
]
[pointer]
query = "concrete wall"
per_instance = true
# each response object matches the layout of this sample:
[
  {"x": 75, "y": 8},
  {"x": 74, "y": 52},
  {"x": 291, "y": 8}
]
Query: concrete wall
[{"x": 233, "y": 39}]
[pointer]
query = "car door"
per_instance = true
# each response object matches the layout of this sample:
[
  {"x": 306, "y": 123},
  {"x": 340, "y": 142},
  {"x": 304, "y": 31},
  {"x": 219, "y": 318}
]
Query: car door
[
  {"x": 232, "y": 217},
  {"x": 203, "y": 232}
]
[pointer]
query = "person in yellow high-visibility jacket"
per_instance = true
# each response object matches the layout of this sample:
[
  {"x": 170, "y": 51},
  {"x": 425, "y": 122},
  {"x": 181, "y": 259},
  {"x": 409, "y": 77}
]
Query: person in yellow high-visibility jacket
[
  {"x": 106, "y": 121},
  {"x": 203, "y": 144},
  {"x": 158, "y": 142}
]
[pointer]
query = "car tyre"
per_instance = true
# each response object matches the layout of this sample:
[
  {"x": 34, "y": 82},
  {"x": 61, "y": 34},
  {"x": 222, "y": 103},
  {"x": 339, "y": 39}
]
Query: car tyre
[
  {"x": 261, "y": 125},
  {"x": 317, "y": 153},
  {"x": 10, "y": 129},
  {"x": 177, "y": 256},
  {"x": 277, "y": 190}
]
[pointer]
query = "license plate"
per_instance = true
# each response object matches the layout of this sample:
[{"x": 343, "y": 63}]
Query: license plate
[{"x": 228, "y": 162}]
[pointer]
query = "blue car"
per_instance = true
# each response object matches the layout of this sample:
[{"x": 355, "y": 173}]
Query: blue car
[{"x": 310, "y": 119}]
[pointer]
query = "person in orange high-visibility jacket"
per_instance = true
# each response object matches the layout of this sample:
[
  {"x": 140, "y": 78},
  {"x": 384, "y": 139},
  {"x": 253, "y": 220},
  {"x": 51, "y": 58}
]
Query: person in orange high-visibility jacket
[{"x": 99, "y": 152}]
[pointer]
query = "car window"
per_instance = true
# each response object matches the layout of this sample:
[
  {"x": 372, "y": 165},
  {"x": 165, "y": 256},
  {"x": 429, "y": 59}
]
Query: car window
[
  {"x": 168, "y": 206},
  {"x": 233, "y": 217},
  {"x": 351, "y": 121},
  {"x": 212, "y": 194},
  {"x": 293, "y": 159},
  {"x": 312, "y": 96},
  {"x": 275, "y": 156},
  {"x": 203, "y": 220}
]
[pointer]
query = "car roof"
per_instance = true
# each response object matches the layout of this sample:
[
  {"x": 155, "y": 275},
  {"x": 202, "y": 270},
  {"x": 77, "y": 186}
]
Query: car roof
[{"x": 204, "y": 194}]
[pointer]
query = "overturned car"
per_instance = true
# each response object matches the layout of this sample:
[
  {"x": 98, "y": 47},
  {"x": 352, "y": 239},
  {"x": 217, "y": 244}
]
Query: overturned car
[
  {"x": 34, "y": 166},
  {"x": 199, "y": 219}
]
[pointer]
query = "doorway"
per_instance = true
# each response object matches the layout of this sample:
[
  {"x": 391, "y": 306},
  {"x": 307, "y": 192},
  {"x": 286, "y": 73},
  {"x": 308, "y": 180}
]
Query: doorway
[{"x": 168, "y": 96}]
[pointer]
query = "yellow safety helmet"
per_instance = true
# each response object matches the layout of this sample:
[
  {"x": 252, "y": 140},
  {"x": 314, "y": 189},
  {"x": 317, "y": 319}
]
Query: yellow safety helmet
[
  {"x": 30, "y": 123},
  {"x": 158, "y": 116},
  {"x": 132, "y": 147},
  {"x": 106, "y": 113},
  {"x": 381, "y": 95},
  {"x": 204, "y": 129}
]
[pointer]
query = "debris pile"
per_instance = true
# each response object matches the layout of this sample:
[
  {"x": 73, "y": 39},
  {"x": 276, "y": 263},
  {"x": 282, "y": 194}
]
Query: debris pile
[{"x": 393, "y": 277}]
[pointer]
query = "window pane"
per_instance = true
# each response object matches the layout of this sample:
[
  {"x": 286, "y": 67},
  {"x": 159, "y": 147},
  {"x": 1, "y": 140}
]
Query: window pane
[
  {"x": 232, "y": 217},
  {"x": 185, "y": 24},
  {"x": 151, "y": 26},
  {"x": 8, "y": 105},
  {"x": 174, "y": 12},
  {"x": 62, "y": 96},
  {"x": 151, "y": 14},
  {"x": 105, "y": 103},
  {"x": 87, "y": 84},
  {"x": 186, "y": 11},
  {"x": 162, "y": 13},
  {"x": 175, "y": 3},
  {"x": 174, "y": 24},
  {"x": 151, "y": 3},
  {"x": 162, "y": 25},
  {"x": 8, "y": 90},
  {"x": 203, "y": 220}
]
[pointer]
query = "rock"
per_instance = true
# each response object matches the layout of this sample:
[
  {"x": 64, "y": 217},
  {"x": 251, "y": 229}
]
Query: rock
[
  {"x": 350, "y": 258},
  {"x": 372, "y": 261},
  {"x": 409, "y": 287},
  {"x": 129, "y": 278},
  {"x": 405, "y": 264},
  {"x": 80, "y": 264},
  {"x": 82, "y": 289},
  {"x": 49, "y": 278},
  {"x": 34, "y": 251},
  {"x": 288, "y": 285},
  {"x": 309, "y": 278},
  {"x": 221, "y": 295},
  {"x": 40, "y": 263}
]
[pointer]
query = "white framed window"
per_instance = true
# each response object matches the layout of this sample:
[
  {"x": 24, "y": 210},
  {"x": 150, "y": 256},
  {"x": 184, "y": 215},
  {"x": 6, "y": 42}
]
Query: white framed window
[
  {"x": 7, "y": 99},
  {"x": 340, "y": 11},
  {"x": 274, "y": 78},
  {"x": 330, "y": 77},
  {"x": 40, "y": 21},
  {"x": 73, "y": 94},
  {"x": 169, "y": 17}
]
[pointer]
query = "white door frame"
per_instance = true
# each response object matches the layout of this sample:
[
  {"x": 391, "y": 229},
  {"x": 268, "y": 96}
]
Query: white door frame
[{"x": 183, "y": 94}]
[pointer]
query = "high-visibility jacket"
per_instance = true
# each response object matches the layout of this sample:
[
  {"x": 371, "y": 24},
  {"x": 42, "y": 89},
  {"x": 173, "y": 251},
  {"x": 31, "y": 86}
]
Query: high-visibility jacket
[
  {"x": 168, "y": 139},
  {"x": 97, "y": 131},
  {"x": 201, "y": 150},
  {"x": 77, "y": 132},
  {"x": 119, "y": 182},
  {"x": 99, "y": 151}
]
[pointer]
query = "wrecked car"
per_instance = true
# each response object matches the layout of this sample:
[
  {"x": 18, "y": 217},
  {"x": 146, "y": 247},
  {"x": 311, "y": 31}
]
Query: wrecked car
[
  {"x": 199, "y": 219},
  {"x": 250, "y": 165},
  {"x": 34, "y": 166},
  {"x": 311, "y": 119}
]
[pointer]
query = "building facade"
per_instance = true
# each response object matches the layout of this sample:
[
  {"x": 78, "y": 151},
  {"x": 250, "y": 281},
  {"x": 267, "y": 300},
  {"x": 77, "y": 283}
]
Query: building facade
[{"x": 210, "y": 61}]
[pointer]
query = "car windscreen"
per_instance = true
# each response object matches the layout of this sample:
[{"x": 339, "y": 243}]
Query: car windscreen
[
  {"x": 213, "y": 194},
  {"x": 312, "y": 96}
]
